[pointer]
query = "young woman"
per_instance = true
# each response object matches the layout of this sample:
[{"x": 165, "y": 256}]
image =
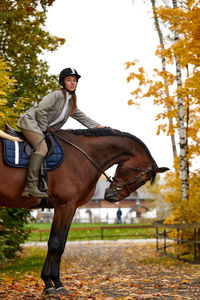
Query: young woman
[{"x": 52, "y": 111}]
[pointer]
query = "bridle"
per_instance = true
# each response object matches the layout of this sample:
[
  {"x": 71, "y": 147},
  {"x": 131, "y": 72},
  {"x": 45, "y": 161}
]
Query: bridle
[
  {"x": 112, "y": 180},
  {"x": 127, "y": 183}
]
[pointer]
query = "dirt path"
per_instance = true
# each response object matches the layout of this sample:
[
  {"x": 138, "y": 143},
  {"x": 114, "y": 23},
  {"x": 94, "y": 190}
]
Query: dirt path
[
  {"x": 108, "y": 272},
  {"x": 127, "y": 271}
]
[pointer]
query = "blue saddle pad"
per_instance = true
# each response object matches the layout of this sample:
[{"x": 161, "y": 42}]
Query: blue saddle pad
[{"x": 15, "y": 156}]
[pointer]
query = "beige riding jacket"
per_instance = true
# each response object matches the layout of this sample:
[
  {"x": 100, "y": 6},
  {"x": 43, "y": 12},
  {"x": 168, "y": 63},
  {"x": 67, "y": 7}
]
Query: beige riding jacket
[{"x": 42, "y": 114}]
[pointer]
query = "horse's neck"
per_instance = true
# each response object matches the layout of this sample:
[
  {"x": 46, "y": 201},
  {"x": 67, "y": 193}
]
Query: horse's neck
[{"x": 109, "y": 150}]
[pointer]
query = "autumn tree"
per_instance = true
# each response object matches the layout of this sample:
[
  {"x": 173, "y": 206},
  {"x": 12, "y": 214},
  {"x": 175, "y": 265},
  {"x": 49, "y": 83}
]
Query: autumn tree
[
  {"x": 23, "y": 40},
  {"x": 24, "y": 79},
  {"x": 154, "y": 193},
  {"x": 163, "y": 61},
  {"x": 180, "y": 53},
  {"x": 6, "y": 84},
  {"x": 14, "y": 220},
  {"x": 181, "y": 117}
]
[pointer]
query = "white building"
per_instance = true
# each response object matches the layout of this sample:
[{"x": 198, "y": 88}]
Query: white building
[{"x": 97, "y": 210}]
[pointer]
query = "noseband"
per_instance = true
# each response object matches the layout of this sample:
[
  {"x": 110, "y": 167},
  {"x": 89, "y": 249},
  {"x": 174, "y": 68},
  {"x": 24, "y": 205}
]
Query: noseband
[
  {"x": 127, "y": 183},
  {"x": 110, "y": 179}
]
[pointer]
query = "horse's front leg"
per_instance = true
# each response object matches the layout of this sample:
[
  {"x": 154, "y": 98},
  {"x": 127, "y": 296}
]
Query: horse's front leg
[{"x": 63, "y": 216}]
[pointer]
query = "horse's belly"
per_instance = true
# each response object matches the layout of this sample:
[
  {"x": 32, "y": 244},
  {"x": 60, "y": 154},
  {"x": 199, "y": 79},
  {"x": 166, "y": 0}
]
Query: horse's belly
[{"x": 19, "y": 202}]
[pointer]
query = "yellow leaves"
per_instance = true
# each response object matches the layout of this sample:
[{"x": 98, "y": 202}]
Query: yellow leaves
[
  {"x": 185, "y": 281},
  {"x": 162, "y": 128},
  {"x": 7, "y": 114},
  {"x": 182, "y": 211},
  {"x": 139, "y": 76},
  {"x": 187, "y": 23},
  {"x": 132, "y": 63},
  {"x": 3, "y": 102},
  {"x": 167, "y": 53},
  {"x": 131, "y": 102},
  {"x": 162, "y": 86},
  {"x": 101, "y": 297},
  {"x": 5, "y": 82},
  {"x": 133, "y": 274}
]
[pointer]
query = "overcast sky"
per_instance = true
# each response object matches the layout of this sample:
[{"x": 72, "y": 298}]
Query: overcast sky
[{"x": 101, "y": 36}]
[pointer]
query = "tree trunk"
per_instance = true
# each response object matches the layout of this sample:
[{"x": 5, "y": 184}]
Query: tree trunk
[
  {"x": 182, "y": 129},
  {"x": 187, "y": 123},
  {"x": 164, "y": 69}
]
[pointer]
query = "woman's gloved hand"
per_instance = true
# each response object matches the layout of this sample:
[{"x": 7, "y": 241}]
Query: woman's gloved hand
[{"x": 50, "y": 129}]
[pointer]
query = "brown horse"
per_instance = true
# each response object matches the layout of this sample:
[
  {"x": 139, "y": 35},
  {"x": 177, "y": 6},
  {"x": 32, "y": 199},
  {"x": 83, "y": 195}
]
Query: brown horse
[{"x": 73, "y": 183}]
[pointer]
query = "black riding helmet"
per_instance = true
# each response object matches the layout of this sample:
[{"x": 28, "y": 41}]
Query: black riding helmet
[{"x": 68, "y": 72}]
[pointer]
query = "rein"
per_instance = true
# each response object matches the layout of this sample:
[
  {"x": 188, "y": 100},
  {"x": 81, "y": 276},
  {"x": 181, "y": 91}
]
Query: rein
[
  {"x": 112, "y": 180},
  {"x": 86, "y": 155}
]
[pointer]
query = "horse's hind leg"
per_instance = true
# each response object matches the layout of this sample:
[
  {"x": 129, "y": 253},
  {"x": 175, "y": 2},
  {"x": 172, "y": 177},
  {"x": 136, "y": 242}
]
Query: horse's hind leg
[{"x": 51, "y": 270}]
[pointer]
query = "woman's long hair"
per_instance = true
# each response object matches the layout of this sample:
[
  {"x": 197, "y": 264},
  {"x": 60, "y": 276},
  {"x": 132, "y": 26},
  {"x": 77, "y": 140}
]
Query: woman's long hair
[{"x": 73, "y": 97}]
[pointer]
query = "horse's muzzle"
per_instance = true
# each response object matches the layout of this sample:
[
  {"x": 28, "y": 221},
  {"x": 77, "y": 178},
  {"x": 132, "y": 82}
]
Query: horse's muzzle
[{"x": 111, "y": 195}]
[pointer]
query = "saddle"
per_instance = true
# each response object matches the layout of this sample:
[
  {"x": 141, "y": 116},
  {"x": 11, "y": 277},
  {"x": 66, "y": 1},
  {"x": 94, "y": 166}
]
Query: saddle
[
  {"x": 27, "y": 147},
  {"x": 16, "y": 154}
]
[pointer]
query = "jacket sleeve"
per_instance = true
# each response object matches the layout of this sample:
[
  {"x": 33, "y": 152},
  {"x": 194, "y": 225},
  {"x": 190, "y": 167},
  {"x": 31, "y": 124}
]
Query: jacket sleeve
[
  {"x": 45, "y": 105},
  {"x": 83, "y": 119}
]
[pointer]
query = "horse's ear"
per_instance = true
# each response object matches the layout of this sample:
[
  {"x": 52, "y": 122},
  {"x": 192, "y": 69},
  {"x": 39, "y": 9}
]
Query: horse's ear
[{"x": 161, "y": 170}]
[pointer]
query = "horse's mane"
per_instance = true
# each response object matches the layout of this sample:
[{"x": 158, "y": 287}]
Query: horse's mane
[{"x": 108, "y": 132}]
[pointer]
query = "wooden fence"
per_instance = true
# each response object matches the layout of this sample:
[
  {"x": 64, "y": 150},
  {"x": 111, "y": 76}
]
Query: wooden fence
[
  {"x": 101, "y": 229},
  {"x": 179, "y": 230},
  {"x": 163, "y": 235}
]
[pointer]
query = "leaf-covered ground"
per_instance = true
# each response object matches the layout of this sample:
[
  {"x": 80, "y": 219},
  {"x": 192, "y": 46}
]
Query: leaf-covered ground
[{"x": 113, "y": 271}]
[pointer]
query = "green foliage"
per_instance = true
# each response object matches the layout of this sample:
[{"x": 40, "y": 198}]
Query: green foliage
[
  {"x": 22, "y": 43},
  {"x": 24, "y": 79},
  {"x": 15, "y": 221},
  {"x": 31, "y": 261},
  {"x": 7, "y": 114}
]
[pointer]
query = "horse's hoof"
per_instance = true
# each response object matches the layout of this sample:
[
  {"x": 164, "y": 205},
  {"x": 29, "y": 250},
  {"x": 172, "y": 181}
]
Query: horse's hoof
[
  {"x": 61, "y": 291},
  {"x": 50, "y": 291}
]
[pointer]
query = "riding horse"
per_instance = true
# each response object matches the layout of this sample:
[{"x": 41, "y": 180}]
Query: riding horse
[{"x": 87, "y": 154}]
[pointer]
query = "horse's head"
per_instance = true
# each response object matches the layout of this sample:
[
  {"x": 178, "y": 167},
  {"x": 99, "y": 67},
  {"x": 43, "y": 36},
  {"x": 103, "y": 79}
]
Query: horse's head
[{"x": 128, "y": 179}]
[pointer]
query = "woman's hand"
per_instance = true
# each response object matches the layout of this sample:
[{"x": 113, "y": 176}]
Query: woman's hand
[{"x": 100, "y": 126}]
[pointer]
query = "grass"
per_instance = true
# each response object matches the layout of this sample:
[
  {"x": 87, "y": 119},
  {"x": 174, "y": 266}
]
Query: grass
[
  {"x": 93, "y": 234},
  {"x": 29, "y": 261}
]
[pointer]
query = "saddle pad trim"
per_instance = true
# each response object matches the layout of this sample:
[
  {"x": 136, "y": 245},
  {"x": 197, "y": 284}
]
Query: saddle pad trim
[{"x": 16, "y": 153}]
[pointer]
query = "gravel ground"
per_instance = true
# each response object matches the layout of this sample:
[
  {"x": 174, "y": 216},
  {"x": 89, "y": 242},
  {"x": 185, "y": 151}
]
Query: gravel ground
[{"x": 126, "y": 271}]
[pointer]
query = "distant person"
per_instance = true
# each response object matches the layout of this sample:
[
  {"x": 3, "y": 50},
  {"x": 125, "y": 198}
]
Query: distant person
[
  {"x": 53, "y": 111},
  {"x": 119, "y": 216}
]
